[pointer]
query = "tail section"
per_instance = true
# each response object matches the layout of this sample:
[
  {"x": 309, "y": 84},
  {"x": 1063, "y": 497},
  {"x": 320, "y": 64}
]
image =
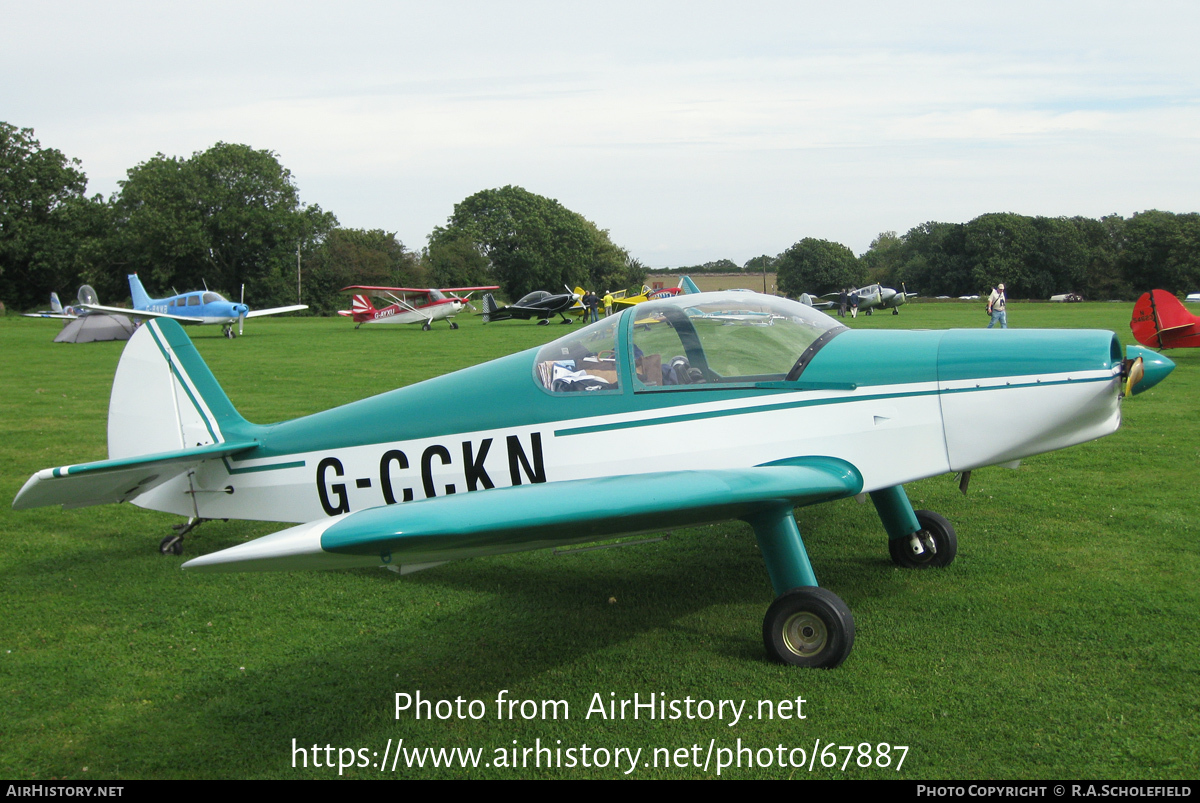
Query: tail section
[
  {"x": 688, "y": 286},
  {"x": 167, "y": 418},
  {"x": 362, "y": 309},
  {"x": 164, "y": 397},
  {"x": 489, "y": 306},
  {"x": 55, "y": 304},
  {"x": 1160, "y": 321},
  {"x": 141, "y": 299}
]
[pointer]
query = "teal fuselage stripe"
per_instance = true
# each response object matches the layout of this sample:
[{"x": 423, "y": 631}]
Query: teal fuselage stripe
[
  {"x": 252, "y": 469},
  {"x": 769, "y": 408}
]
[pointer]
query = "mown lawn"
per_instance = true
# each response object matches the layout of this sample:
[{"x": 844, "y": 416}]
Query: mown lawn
[{"x": 1064, "y": 641}]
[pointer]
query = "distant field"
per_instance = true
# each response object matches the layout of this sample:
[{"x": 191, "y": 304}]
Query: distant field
[
  {"x": 1064, "y": 642},
  {"x": 710, "y": 282}
]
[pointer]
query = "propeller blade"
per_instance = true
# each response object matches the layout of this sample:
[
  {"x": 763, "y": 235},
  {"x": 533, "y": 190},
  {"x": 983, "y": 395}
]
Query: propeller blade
[
  {"x": 1136, "y": 371},
  {"x": 241, "y": 323}
]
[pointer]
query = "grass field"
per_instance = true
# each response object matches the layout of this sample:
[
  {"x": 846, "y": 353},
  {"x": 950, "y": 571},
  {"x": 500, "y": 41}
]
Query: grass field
[{"x": 1064, "y": 642}]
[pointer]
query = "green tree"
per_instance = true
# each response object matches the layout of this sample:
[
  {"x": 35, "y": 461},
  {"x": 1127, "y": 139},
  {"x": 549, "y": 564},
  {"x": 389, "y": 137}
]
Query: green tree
[
  {"x": 760, "y": 264},
  {"x": 227, "y": 216},
  {"x": 883, "y": 259},
  {"x": 456, "y": 261},
  {"x": 48, "y": 227},
  {"x": 531, "y": 242},
  {"x": 357, "y": 256},
  {"x": 817, "y": 266},
  {"x": 1160, "y": 250},
  {"x": 999, "y": 249},
  {"x": 933, "y": 260}
]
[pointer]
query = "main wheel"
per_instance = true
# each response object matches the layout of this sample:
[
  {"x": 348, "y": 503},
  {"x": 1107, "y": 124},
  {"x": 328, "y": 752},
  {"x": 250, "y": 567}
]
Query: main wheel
[
  {"x": 426, "y": 326},
  {"x": 453, "y": 325},
  {"x": 936, "y": 536},
  {"x": 171, "y": 545},
  {"x": 809, "y": 626}
]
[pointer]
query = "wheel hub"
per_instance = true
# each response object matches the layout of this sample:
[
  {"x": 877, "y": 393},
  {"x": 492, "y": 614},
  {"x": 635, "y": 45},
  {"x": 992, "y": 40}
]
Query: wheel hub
[{"x": 805, "y": 634}]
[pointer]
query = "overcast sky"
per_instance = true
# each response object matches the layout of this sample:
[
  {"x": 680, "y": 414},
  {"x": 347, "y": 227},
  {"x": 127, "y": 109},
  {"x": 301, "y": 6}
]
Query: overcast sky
[{"x": 691, "y": 131}]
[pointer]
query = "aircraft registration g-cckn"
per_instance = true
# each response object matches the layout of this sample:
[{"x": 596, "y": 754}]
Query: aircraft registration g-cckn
[{"x": 734, "y": 420}]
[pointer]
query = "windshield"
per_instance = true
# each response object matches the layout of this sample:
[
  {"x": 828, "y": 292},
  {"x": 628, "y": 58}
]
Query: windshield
[
  {"x": 725, "y": 338},
  {"x": 583, "y": 361}
]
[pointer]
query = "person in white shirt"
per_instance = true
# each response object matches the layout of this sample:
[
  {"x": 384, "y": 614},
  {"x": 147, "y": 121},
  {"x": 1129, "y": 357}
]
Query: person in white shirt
[{"x": 995, "y": 308}]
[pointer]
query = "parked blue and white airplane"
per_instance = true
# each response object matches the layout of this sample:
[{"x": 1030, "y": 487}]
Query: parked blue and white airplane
[
  {"x": 525, "y": 452},
  {"x": 198, "y": 307}
]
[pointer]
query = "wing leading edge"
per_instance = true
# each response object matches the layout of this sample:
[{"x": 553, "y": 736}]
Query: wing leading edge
[{"x": 536, "y": 516}]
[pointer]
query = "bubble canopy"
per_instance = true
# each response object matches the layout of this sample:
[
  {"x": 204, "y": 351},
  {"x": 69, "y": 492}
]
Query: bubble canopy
[{"x": 687, "y": 342}]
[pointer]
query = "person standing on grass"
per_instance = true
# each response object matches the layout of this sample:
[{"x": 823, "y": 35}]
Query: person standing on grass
[{"x": 995, "y": 307}]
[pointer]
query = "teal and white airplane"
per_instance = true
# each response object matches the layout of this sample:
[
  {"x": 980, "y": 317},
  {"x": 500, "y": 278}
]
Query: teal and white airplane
[{"x": 531, "y": 451}]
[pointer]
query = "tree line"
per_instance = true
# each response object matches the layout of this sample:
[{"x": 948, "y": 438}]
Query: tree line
[
  {"x": 230, "y": 218},
  {"x": 1035, "y": 257}
]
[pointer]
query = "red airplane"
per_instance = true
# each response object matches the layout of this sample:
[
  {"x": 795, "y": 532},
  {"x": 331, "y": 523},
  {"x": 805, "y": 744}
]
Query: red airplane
[
  {"x": 1160, "y": 321},
  {"x": 408, "y": 304}
]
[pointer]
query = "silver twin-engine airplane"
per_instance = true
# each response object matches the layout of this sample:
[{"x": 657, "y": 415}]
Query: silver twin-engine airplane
[{"x": 732, "y": 420}]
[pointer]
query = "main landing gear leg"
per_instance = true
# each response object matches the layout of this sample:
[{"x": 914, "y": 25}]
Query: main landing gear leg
[
  {"x": 806, "y": 625},
  {"x": 917, "y": 539}
]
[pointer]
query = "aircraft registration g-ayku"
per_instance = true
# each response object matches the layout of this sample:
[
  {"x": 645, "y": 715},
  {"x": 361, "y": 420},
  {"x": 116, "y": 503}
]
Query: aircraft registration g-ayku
[
  {"x": 1160, "y": 321},
  {"x": 407, "y": 304},
  {"x": 198, "y": 307},
  {"x": 523, "y": 452}
]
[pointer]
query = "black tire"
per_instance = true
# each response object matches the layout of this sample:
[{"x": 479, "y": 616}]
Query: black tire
[
  {"x": 426, "y": 326},
  {"x": 809, "y": 627},
  {"x": 934, "y": 527},
  {"x": 171, "y": 545},
  {"x": 453, "y": 325}
]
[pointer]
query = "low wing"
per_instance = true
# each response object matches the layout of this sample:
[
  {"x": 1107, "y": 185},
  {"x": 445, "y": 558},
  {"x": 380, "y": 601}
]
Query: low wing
[
  {"x": 109, "y": 481},
  {"x": 535, "y": 516},
  {"x": 141, "y": 313},
  {"x": 255, "y": 313},
  {"x": 49, "y": 315}
]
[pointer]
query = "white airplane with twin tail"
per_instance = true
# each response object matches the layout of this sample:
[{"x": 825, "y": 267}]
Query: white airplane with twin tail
[{"x": 525, "y": 452}]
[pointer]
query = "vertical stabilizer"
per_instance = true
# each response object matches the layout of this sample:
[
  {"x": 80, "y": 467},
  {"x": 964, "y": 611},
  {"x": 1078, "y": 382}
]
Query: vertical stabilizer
[
  {"x": 164, "y": 397},
  {"x": 688, "y": 285},
  {"x": 489, "y": 306},
  {"x": 361, "y": 308},
  {"x": 141, "y": 300}
]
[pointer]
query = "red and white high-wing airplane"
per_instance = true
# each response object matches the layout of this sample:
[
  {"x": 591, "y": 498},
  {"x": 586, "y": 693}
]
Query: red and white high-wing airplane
[
  {"x": 407, "y": 304},
  {"x": 1160, "y": 321}
]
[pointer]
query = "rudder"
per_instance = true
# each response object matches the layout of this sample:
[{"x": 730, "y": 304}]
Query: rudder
[
  {"x": 165, "y": 398},
  {"x": 137, "y": 293}
]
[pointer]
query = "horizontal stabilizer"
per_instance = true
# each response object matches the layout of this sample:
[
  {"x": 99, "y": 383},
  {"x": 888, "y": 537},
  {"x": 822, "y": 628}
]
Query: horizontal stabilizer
[
  {"x": 118, "y": 480},
  {"x": 535, "y": 516}
]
